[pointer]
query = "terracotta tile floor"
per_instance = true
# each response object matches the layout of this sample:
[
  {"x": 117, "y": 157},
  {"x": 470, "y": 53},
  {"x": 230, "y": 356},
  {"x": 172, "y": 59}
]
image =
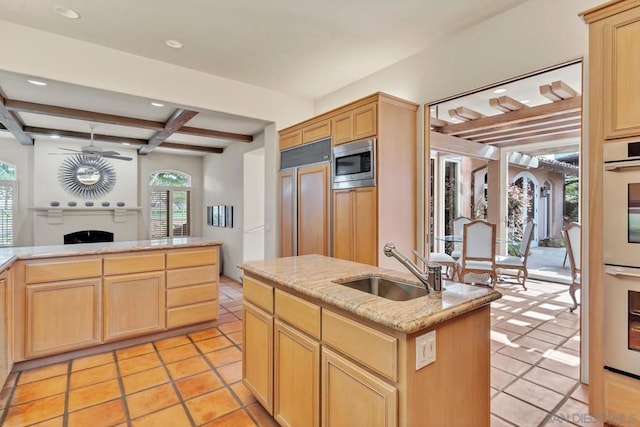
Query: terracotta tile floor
[{"x": 194, "y": 380}]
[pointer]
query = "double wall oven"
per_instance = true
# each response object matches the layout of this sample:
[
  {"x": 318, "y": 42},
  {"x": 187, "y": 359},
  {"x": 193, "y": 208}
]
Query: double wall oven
[{"x": 622, "y": 257}]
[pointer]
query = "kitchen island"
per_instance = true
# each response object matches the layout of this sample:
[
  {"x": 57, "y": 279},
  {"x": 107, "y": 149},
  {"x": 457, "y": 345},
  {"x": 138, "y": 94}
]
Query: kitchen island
[
  {"x": 84, "y": 297},
  {"x": 317, "y": 352}
]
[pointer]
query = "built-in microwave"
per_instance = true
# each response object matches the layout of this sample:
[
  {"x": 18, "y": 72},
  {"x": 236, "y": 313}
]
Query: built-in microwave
[{"x": 354, "y": 164}]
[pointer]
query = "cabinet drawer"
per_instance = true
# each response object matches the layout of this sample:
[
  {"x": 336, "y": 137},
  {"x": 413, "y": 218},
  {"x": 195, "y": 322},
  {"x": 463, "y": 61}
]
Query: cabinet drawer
[
  {"x": 125, "y": 264},
  {"x": 55, "y": 271},
  {"x": 258, "y": 294},
  {"x": 193, "y": 258},
  {"x": 192, "y": 276},
  {"x": 298, "y": 312},
  {"x": 316, "y": 131},
  {"x": 372, "y": 348},
  {"x": 192, "y": 314},
  {"x": 192, "y": 294}
]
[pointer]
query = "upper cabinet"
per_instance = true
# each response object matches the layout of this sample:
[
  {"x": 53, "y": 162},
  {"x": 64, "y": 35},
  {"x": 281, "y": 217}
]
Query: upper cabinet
[
  {"x": 356, "y": 124},
  {"x": 615, "y": 61},
  {"x": 318, "y": 129}
]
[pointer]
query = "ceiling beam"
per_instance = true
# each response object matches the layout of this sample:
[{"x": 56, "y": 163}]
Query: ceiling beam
[
  {"x": 175, "y": 122},
  {"x": 530, "y": 133},
  {"x": 453, "y": 145},
  {"x": 541, "y": 138},
  {"x": 239, "y": 137},
  {"x": 92, "y": 116},
  {"x": 12, "y": 124},
  {"x": 438, "y": 123},
  {"x": 545, "y": 90},
  {"x": 573, "y": 124},
  {"x": 571, "y": 105},
  {"x": 82, "y": 135},
  {"x": 215, "y": 150},
  {"x": 562, "y": 118},
  {"x": 563, "y": 90}
]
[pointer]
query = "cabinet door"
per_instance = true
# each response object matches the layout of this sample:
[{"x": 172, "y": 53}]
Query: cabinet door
[
  {"x": 313, "y": 209},
  {"x": 365, "y": 121},
  {"x": 376, "y": 404},
  {"x": 343, "y": 224},
  {"x": 342, "y": 129},
  {"x": 621, "y": 69},
  {"x": 134, "y": 304},
  {"x": 316, "y": 131},
  {"x": 365, "y": 241},
  {"x": 63, "y": 316},
  {"x": 4, "y": 339},
  {"x": 290, "y": 139},
  {"x": 257, "y": 354},
  {"x": 287, "y": 211},
  {"x": 297, "y": 378}
]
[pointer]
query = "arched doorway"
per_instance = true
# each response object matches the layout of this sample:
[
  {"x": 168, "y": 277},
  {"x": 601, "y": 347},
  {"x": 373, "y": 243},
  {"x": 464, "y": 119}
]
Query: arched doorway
[{"x": 528, "y": 183}]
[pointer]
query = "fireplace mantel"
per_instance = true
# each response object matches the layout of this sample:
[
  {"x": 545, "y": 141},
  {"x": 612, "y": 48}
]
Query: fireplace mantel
[{"x": 56, "y": 214}]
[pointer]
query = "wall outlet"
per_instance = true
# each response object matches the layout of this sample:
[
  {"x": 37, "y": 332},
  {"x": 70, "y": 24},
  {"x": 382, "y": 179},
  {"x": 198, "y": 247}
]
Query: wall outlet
[{"x": 425, "y": 349}]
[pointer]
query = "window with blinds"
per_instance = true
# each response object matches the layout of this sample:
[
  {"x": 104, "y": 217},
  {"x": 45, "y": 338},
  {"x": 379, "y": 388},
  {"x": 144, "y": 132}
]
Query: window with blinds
[
  {"x": 6, "y": 213},
  {"x": 170, "y": 204}
]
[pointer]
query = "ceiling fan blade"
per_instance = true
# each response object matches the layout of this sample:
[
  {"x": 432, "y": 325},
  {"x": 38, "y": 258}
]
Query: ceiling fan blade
[
  {"x": 109, "y": 153},
  {"x": 117, "y": 157},
  {"x": 69, "y": 149}
]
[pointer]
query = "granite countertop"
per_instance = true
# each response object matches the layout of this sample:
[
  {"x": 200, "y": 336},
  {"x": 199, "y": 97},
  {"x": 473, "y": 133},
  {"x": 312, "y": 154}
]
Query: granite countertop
[
  {"x": 314, "y": 276},
  {"x": 8, "y": 255}
]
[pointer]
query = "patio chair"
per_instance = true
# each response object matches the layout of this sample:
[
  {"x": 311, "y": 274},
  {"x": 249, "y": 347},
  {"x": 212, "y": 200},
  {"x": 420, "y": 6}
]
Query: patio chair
[
  {"x": 571, "y": 234},
  {"x": 519, "y": 262},
  {"x": 478, "y": 251},
  {"x": 446, "y": 261},
  {"x": 458, "y": 223}
]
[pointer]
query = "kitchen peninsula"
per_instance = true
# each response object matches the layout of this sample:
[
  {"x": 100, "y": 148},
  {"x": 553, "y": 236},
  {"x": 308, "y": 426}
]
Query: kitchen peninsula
[
  {"x": 317, "y": 350},
  {"x": 57, "y": 299}
]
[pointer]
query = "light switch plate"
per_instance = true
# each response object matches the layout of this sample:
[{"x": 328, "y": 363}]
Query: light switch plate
[{"x": 425, "y": 349}]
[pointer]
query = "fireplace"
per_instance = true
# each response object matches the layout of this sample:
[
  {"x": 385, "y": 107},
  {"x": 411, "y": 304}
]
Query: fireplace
[{"x": 88, "y": 236}]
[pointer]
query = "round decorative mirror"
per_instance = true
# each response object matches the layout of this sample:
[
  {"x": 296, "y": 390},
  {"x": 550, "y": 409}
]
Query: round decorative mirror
[{"x": 86, "y": 176}]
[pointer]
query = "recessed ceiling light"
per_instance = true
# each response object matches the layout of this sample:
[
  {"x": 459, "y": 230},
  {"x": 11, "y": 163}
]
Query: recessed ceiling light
[
  {"x": 67, "y": 13},
  {"x": 37, "y": 82},
  {"x": 157, "y": 104},
  {"x": 501, "y": 90},
  {"x": 525, "y": 101},
  {"x": 173, "y": 43}
]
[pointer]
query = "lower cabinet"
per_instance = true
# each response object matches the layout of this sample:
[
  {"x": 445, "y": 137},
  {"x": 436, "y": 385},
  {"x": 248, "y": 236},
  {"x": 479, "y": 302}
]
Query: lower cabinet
[
  {"x": 257, "y": 354},
  {"x": 5, "y": 365},
  {"x": 376, "y": 403},
  {"x": 62, "y": 316},
  {"x": 134, "y": 304},
  {"x": 355, "y": 225},
  {"x": 296, "y": 377}
]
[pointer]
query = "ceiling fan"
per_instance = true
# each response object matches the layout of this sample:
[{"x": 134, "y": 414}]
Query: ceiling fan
[{"x": 97, "y": 152}]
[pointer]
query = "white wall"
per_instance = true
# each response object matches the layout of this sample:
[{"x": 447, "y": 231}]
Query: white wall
[
  {"x": 223, "y": 183},
  {"x": 534, "y": 35},
  {"x": 253, "y": 210},
  {"x": 190, "y": 165}
]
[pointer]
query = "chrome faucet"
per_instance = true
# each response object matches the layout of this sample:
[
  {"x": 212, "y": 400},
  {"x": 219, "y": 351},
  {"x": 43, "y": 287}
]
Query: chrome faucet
[{"x": 431, "y": 279}]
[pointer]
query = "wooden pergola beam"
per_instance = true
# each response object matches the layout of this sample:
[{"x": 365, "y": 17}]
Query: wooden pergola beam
[
  {"x": 451, "y": 144},
  {"x": 12, "y": 124},
  {"x": 541, "y": 138},
  {"x": 438, "y": 123},
  {"x": 175, "y": 122},
  {"x": 506, "y": 104},
  {"x": 571, "y": 105},
  {"x": 573, "y": 124},
  {"x": 543, "y": 121},
  {"x": 558, "y": 91},
  {"x": 465, "y": 114}
]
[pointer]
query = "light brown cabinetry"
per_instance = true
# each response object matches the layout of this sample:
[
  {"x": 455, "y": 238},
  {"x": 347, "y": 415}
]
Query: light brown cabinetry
[
  {"x": 5, "y": 360},
  {"x": 355, "y": 225},
  {"x": 621, "y": 71},
  {"x": 304, "y": 210},
  {"x": 308, "y": 133},
  {"x": 192, "y": 286},
  {"x": 62, "y": 316},
  {"x": 361, "y": 122},
  {"x": 257, "y": 347},
  {"x": 134, "y": 304},
  {"x": 392, "y": 122},
  {"x": 614, "y": 112},
  {"x": 352, "y": 396}
]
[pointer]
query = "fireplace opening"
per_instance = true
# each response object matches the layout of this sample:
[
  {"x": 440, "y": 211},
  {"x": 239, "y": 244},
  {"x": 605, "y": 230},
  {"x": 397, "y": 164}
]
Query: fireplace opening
[{"x": 88, "y": 236}]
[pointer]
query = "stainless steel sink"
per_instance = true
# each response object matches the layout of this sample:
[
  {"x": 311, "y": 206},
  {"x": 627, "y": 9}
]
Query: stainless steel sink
[{"x": 385, "y": 288}]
